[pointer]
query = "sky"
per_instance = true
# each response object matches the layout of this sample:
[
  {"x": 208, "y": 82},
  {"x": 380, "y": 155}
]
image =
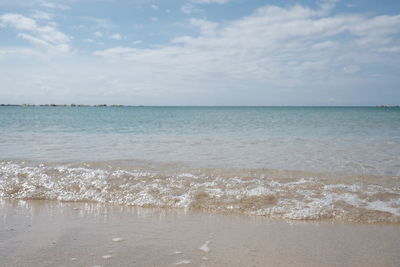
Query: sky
[{"x": 200, "y": 52}]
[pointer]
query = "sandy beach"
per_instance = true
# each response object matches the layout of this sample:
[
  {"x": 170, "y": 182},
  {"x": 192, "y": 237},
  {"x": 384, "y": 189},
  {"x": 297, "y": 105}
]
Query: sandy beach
[
  {"x": 199, "y": 133},
  {"x": 46, "y": 233}
]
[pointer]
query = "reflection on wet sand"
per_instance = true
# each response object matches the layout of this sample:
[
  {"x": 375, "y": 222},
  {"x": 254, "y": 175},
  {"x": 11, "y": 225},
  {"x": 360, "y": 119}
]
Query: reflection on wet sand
[{"x": 49, "y": 233}]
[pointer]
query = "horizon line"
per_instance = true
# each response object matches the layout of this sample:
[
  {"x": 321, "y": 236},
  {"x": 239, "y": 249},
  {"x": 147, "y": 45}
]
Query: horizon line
[{"x": 140, "y": 105}]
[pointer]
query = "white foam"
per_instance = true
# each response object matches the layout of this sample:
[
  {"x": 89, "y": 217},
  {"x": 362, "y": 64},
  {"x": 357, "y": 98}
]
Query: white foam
[
  {"x": 106, "y": 257},
  {"x": 183, "y": 262},
  {"x": 385, "y": 207},
  {"x": 205, "y": 247},
  {"x": 117, "y": 239},
  {"x": 189, "y": 175},
  {"x": 351, "y": 188},
  {"x": 290, "y": 198},
  {"x": 257, "y": 191}
]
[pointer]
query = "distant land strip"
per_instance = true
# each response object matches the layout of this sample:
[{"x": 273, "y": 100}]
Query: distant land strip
[
  {"x": 119, "y": 105},
  {"x": 59, "y": 105}
]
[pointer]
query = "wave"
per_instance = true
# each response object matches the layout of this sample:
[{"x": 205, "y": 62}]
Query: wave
[{"x": 295, "y": 195}]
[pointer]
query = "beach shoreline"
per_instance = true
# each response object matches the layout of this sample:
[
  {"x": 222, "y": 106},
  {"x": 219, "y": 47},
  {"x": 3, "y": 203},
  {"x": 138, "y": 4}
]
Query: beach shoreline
[{"x": 52, "y": 233}]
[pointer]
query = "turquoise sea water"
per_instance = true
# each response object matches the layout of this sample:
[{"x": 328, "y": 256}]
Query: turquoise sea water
[
  {"x": 323, "y": 150},
  {"x": 207, "y": 121},
  {"x": 365, "y": 140}
]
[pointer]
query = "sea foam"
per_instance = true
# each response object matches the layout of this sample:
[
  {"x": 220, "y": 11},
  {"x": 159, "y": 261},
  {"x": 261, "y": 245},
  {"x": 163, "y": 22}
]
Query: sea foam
[{"x": 273, "y": 193}]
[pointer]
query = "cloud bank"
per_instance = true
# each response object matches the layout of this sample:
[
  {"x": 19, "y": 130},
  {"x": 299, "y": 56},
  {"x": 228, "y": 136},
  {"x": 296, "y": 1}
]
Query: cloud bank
[{"x": 293, "y": 55}]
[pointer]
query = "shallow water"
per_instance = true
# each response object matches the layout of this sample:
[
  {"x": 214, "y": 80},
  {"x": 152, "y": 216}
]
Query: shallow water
[
  {"x": 294, "y": 163},
  {"x": 268, "y": 192},
  {"x": 50, "y": 233}
]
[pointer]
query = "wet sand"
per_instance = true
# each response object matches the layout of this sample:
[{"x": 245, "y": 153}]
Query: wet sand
[{"x": 46, "y": 233}]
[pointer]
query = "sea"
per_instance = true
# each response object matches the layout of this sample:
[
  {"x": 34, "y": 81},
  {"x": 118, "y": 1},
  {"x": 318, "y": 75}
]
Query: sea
[{"x": 294, "y": 163}]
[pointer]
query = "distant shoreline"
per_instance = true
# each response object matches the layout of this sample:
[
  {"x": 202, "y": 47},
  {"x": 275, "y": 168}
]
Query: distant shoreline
[
  {"x": 195, "y": 106},
  {"x": 59, "y": 105}
]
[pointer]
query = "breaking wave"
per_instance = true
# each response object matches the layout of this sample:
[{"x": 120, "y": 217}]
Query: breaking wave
[{"x": 295, "y": 195}]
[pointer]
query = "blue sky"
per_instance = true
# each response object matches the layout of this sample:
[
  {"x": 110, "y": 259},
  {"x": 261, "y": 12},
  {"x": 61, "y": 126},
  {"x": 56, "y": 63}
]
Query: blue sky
[{"x": 200, "y": 52}]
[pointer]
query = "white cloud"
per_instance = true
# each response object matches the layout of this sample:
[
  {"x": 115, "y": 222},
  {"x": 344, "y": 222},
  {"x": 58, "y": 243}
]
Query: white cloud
[
  {"x": 115, "y": 51},
  {"x": 275, "y": 55},
  {"x": 155, "y": 7},
  {"x": 192, "y": 6},
  {"x": 98, "y": 34},
  {"x": 47, "y": 36},
  {"x": 327, "y": 5},
  {"x": 377, "y": 30},
  {"x": 153, "y": 19},
  {"x": 116, "y": 36},
  {"x": 18, "y": 52},
  {"x": 18, "y": 21},
  {"x": 52, "y": 5},
  {"x": 294, "y": 46},
  {"x": 392, "y": 49},
  {"x": 35, "y": 40},
  {"x": 100, "y": 23},
  {"x": 351, "y": 69},
  {"x": 211, "y": 1},
  {"x": 206, "y": 27},
  {"x": 189, "y": 8},
  {"x": 325, "y": 45},
  {"x": 39, "y": 14}
]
